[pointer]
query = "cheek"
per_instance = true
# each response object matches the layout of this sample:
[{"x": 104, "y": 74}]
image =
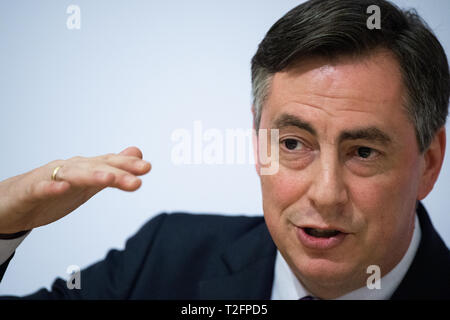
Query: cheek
[
  {"x": 281, "y": 190},
  {"x": 385, "y": 203}
]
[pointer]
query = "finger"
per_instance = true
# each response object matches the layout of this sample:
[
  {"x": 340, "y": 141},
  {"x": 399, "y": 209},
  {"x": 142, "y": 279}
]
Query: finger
[
  {"x": 45, "y": 189},
  {"x": 133, "y": 165},
  {"x": 101, "y": 176},
  {"x": 132, "y": 151}
]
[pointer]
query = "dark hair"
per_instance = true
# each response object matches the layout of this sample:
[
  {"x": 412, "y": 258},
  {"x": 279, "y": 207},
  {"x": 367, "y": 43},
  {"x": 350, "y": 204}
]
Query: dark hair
[{"x": 333, "y": 28}]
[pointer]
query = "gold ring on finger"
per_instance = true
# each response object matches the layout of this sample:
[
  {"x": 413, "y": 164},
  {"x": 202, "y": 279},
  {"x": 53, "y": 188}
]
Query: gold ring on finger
[{"x": 55, "y": 172}]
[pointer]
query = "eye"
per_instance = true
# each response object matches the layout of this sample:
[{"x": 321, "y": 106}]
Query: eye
[
  {"x": 292, "y": 144},
  {"x": 365, "y": 152}
]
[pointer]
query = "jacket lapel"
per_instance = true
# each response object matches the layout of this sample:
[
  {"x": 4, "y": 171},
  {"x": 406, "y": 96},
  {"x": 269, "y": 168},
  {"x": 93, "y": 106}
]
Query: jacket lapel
[
  {"x": 428, "y": 277},
  {"x": 244, "y": 270}
]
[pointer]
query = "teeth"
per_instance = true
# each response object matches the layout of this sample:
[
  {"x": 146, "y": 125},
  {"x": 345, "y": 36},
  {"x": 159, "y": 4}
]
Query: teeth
[{"x": 321, "y": 233}]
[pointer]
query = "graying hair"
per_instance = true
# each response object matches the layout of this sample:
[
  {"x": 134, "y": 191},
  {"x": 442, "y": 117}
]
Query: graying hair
[
  {"x": 260, "y": 90},
  {"x": 333, "y": 28}
]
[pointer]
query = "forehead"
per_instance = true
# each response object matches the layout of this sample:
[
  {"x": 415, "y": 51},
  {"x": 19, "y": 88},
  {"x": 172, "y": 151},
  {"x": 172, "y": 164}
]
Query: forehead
[{"x": 363, "y": 89}]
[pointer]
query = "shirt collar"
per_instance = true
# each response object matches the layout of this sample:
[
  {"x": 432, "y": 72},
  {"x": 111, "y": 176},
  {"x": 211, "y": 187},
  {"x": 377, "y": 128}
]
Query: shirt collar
[{"x": 286, "y": 286}]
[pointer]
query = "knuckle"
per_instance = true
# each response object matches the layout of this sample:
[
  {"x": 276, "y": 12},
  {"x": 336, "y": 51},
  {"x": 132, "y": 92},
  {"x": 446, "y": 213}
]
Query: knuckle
[
  {"x": 124, "y": 178},
  {"x": 56, "y": 163},
  {"x": 76, "y": 158},
  {"x": 102, "y": 175},
  {"x": 62, "y": 172},
  {"x": 108, "y": 156}
]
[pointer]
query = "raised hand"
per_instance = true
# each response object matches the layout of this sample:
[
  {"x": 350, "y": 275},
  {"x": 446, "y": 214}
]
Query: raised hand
[{"x": 52, "y": 191}]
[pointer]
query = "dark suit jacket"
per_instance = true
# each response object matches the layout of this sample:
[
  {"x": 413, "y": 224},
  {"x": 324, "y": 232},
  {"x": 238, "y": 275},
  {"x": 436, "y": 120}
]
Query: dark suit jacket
[{"x": 185, "y": 256}]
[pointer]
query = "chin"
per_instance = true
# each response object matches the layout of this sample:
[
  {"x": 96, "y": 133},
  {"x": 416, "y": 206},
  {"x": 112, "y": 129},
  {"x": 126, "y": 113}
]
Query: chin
[{"x": 325, "y": 272}]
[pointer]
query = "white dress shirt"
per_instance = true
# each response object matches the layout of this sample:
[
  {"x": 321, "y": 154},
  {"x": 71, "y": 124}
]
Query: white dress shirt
[{"x": 286, "y": 286}]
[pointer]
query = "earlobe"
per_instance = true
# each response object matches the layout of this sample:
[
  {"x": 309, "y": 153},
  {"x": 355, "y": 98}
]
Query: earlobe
[{"x": 433, "y": 159}]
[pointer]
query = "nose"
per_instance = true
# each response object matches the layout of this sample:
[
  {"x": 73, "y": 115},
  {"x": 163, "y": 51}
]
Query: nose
[{"x": 327, "y": 192}]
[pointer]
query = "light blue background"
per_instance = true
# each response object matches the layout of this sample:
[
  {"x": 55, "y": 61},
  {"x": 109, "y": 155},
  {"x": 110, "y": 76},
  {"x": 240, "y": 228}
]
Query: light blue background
[{"x": 136, "y": 71}]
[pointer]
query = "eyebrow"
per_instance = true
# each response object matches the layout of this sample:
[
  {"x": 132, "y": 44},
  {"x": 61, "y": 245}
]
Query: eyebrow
[
  {"x": 288, "y": 120},
  {"x": 367, "y": 133},
  {"x": 370, "y": 134}
]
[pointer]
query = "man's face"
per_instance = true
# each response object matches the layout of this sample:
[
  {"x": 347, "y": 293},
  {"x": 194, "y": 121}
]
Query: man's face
[{"x": 348, "y": 161}]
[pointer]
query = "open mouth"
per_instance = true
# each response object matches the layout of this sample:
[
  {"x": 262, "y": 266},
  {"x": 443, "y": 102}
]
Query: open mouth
[
  {"x": 315, "y": 238},
  {"x": 321, "y": 233}
]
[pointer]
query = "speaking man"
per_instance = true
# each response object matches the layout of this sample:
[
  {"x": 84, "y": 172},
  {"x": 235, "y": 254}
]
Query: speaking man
[{"x": 360, "y": 113}]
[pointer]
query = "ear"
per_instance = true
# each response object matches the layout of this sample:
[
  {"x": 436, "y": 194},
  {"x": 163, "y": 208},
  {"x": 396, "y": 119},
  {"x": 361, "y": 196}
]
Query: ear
[
  {"x": 255, "y": 142},
  {"x": 433, "y": 159}
]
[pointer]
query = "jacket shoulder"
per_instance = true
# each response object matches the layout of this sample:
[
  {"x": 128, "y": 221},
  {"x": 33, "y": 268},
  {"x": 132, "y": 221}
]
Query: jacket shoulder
[
  {"x": 180, "y": 249},
  {"x": 184, "y": 228}
]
